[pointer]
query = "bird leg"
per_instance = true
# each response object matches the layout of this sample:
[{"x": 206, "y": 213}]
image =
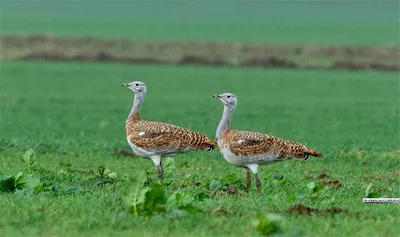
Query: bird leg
[
  {"x": 160, "y": 172},
  {"x": 258, "y": 182},
  {"x": 157, "y": 161},
  {"x": 254, "y": 169},
  {"x": 248, "y": 179}
]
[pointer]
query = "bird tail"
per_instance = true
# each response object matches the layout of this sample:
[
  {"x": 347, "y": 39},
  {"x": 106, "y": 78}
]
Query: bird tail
[
  {"x": 209, "y": 145},
  {"x": 313, "y": 153}
]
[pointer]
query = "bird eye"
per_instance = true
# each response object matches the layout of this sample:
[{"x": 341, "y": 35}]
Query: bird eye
[
  {"x": 137, "y": 84},
  {"x": 228, "y": 96}
]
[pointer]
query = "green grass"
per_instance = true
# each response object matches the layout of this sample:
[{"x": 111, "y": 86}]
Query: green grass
[
  {"x": 75, "y": 113},
  {"x": 286, "y": 22}
]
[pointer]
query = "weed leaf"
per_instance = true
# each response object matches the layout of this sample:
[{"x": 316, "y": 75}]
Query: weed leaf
[
  {"x": 267, "y": 225},
  {"x": 155, "y": 200},
  {"x": 7, "y": 184},
  {"x": 135, "y": 192},
  {"x": 29, "y": 158},
  {"x": 316, "y": 190},
  {"x": 369, "y": 194},
  {"x": 21, "y": 182}
]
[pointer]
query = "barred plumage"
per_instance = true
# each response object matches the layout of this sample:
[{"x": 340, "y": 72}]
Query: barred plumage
[
  {"x": 244, "y": 143},
  {"x": 166, "y": 138},
  {"x": 251, "y": 149},
  {"x": 155, "y": 140}
]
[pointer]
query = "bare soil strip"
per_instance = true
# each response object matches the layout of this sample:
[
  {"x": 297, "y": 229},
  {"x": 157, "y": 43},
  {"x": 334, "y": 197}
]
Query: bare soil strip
[
  {"x": 300, "y": 209},
  {"x": 89, "y": 49}
]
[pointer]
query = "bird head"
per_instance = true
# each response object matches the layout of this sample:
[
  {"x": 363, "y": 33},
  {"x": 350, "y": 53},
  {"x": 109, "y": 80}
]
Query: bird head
[
  {"x": 228, "y": 99},
  {"x": 137, "y": 87}
]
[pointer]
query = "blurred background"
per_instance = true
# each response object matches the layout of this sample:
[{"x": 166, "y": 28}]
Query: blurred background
[{"x": 296, "y": 34}]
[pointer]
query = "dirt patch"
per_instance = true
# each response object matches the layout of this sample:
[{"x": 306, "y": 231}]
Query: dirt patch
[
  {"x": 202, "y": 61},
  {"x": 323, "y": 176},
  {"x": 354, "y": 66},
  {"x": 229, "y": 191},
  {"x": 300, "y": 209},
  {"x": 68, "y": 168},
  {"x": 99, "y": 57},
  {"x": 380, "y": 177},
  {"x": 332, "y": 183},
  {"x": 270, "y": 62},
  {"x": 89, "y": 49},
  {"x": 220, "y": 211}
]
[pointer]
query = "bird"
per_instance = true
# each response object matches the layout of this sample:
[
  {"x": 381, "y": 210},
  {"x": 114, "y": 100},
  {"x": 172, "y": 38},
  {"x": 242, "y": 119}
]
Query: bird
[
  {"x": 249, "y": 150},
  {"x": 155, "y": 140}
]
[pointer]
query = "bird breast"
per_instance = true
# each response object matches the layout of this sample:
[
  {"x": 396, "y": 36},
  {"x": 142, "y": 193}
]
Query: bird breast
[{"x": 139, "y": 151}]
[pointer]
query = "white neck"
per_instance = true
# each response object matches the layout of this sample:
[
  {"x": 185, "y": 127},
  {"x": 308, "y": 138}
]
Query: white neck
[
  {"x": 135, "y": 111},
  {"x": 225, "y": 122}
]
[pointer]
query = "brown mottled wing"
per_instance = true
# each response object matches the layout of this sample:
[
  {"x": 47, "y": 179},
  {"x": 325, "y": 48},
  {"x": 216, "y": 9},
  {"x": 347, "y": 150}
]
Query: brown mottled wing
[
  {"x": 251, "y": 143},
  {"x": 160, "y": 136}
]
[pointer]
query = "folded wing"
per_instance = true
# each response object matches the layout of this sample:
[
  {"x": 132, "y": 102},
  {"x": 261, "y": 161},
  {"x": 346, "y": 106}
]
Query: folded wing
[
  {"x": 246, "y": 143},
  {"x": 161, "y": 136}
]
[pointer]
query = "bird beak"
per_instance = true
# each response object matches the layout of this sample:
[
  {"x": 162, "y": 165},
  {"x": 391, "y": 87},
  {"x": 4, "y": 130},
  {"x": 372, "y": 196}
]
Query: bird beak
[
  {"x": 125, "y": 85},
  {"x": 216, "y": 96}
]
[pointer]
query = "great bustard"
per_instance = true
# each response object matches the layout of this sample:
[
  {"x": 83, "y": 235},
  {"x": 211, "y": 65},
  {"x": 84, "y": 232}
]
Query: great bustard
[
  {"x": 250, "y": 149},
  {"x": 154, "y": 140}
]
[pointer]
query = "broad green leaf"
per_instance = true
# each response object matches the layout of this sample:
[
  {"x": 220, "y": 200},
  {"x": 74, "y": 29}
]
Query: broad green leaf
[
  {"x": 30, "y": 181},
  {"x": 311, "y": 185},
  {"x": 368, "y": 189},
  {"x": 26, "y": 181},
  {"x": 374, "y": 195},
  {"x": 316, "y": 190},
  {"x": 28, "y": 157},
  {"x": 370, "y": 194},
  {"x": 155, "y": 200},
  {"x": 135, "y": 192},
  {"x": 181, "y": 198},
  {"x": 7, "y": 184},
  {"x": 267, "y": 225},
  {"x": 110, "y": 174}
]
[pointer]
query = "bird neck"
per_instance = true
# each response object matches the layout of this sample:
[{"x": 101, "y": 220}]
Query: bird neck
[
  {"x": 134, "y": 115},
  {"x": 225, "y": 123}
]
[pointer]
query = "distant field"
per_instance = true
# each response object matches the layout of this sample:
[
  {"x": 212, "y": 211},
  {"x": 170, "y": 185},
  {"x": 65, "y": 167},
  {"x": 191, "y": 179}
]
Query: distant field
[
  {"x": 72, "y": 115},
  {"x": 286, "y": 22},
  {"x": 90, "y": 49}
]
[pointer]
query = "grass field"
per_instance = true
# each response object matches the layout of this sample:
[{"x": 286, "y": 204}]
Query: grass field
[
  {"x": 72, "y": 116},
  {"x": 284, "y": 22},
  {"x": 66, "y": 168}
]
